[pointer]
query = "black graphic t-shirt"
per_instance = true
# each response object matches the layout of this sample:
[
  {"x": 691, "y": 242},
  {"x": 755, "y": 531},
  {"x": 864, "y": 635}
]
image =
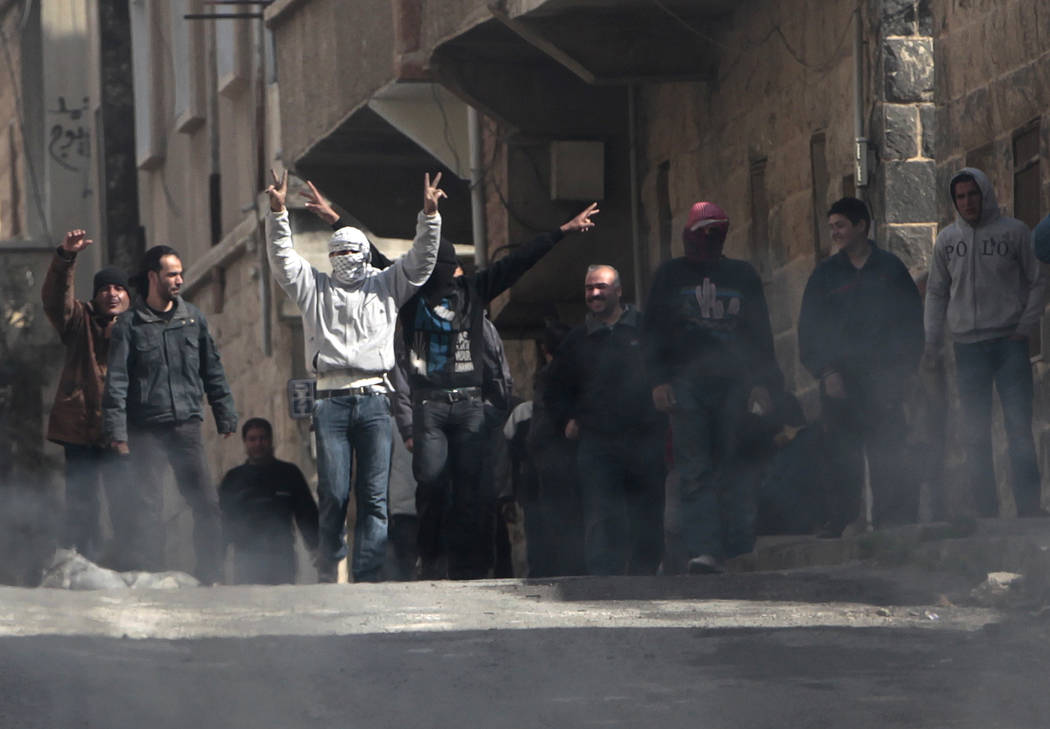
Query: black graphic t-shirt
[
  {"x": 440, "y": 344},
  {"x": 709, "y": 320}
]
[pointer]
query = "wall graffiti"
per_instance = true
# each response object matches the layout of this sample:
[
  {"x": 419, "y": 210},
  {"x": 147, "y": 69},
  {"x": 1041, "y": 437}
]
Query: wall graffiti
[{"x": 70, "y": 142}]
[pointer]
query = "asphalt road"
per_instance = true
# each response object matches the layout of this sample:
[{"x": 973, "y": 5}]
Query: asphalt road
[{"x": 833, "y": 648}]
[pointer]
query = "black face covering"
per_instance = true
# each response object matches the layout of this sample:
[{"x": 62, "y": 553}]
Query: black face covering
[
  {"x": 704, "y": 245},
  {"x": 440, "y": 285}
]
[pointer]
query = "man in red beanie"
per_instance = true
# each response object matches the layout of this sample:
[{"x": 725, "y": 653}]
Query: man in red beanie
[
  {"x": 76, "y": 416},
  {"x": 710, "y": 361}
]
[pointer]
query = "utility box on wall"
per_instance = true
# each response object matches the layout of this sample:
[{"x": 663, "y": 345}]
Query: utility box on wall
[{"x": 577, "y": 170}]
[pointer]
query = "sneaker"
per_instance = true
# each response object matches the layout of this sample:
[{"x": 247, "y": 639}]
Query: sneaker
[{"x": 705, "y": 564}]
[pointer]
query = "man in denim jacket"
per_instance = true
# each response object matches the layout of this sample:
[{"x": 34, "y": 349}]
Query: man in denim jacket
[{"x": 162, "y": 363}]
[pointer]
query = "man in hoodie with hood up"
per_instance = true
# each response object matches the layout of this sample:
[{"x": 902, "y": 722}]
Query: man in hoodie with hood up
[
  {"x": 710, "y": 362},
  {"x": 349, "y": 317},
  {"x": 986, "y": 283}
]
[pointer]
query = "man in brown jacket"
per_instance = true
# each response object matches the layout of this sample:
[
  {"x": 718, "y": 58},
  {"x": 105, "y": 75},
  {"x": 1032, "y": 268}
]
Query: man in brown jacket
[{"x": 76, "y": 417}]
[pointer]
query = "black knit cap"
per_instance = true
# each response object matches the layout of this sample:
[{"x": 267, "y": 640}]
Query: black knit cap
[
  {"x": 447, "y": 252},
  {"x": 109, "y": 275}
]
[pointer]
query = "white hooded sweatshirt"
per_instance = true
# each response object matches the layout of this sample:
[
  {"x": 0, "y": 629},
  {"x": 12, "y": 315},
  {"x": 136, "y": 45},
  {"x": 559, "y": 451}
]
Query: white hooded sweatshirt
[
  {"x": 349, "y": 324},
  {"x": 984, "y": 279}
]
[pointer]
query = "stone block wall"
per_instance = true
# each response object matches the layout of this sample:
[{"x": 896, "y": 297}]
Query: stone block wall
[
  {"x": 780, "y": 107},
  {"x": 903, "y": 132}
]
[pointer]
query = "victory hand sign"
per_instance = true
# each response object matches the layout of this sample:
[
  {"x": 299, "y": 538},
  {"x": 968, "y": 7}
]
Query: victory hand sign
[
  {"x": 582, "y": 222},
  {"x": 278, "y": 191},
  {"x": 431, "y": 193}
]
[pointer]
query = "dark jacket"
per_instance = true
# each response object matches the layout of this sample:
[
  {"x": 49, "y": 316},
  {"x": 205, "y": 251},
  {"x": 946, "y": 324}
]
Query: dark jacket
[
  {"x": 259, "y": 502},
  {"x": 597, "y": 378},
  {"x": 159, "y": 371},
  {"x": 76, "y": 416},
  {"x": 464, "y": 366},
  {"x": 864, "y": 323},
  {"x": 725, "y": 334}
]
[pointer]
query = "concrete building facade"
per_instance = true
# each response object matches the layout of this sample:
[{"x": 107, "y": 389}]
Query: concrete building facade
[
  {"x": 531, "y": 108},
  {"x": 772, "y": 109}
]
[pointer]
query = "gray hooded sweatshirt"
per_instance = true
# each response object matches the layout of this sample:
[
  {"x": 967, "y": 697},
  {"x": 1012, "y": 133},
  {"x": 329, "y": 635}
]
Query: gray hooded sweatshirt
[
  {"x": 984, "y": 279},
  {"x": 349, "y": 328}
]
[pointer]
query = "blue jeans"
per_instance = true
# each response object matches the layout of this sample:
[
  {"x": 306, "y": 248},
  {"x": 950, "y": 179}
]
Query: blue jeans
[
  {"x": 622, "y": 488},
  {"x": 1004, "y": 362},
  {"x": 717, "y": 479},
  {"x": 348, "y": 427}
]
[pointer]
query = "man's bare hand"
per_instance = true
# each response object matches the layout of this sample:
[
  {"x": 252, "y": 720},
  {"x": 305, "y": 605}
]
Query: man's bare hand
[
  {"x": 316, "y": 204},
  {"x": 663, "y": 398},
  {"x": 572, "y": 430},
  {"x": 582, "y": 222},
  {"x": 76, "y": 241},
  {"x": 432, "y": 193},
  {"x": 409, "y": 443},
  {"x": 121, "y": 447},
  {"x": 278, "y": 191},
  {"x": 834, "y": 386}
]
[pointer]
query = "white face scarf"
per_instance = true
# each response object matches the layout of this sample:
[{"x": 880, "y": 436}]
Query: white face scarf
[{"x": 351, "y": 265}]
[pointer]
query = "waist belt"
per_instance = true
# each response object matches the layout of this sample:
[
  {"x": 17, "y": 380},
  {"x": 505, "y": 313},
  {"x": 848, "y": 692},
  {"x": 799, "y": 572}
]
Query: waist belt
[
  {"x": 348, "y": 392},
  {"x": 455, "y": 394}
]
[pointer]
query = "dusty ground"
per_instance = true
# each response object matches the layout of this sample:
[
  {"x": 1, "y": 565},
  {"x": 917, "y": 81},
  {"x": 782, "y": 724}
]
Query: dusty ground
[{"x": 847, "y": 647}]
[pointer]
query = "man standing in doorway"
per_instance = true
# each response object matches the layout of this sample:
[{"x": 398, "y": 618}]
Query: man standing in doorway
[
  {"x": 76, "y": 416},
  {"x": 602, "y": 401},
  {"x": 349, "y": 317},
  {"x": 162, "y": 363},
  {"x": 711, "y": 365},
  {"x": 860, "y": 336},
  {"x": 986, "y": 283}
]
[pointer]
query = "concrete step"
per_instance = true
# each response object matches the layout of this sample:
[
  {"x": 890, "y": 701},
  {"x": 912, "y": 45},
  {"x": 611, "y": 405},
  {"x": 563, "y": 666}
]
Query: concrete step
[{"x": 973, "y": 548}]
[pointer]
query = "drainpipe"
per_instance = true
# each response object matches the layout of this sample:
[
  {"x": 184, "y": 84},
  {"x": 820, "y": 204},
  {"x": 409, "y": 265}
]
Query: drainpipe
[
  {"x": 265, "y": 298},
  {"x": 861, "y": 146},
  {"x": 477, "y": 188},
  {"x": 636, "y": 236}
]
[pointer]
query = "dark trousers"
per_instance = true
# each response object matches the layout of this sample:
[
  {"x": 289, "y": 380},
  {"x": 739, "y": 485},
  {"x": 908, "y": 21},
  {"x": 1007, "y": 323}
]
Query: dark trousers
[
  {"x": 1004, "y": 362},
  {"x": 263, "y": 566},
  {"x": 448, "y": 455},
  {"x": 402, "y": 538},
  {"x": 152, "y": 449},
  {"x": 89, "y": 469},
  {"x": 622, "y": 488},
  {"x": 554, "y": 519},
  {"x": 862, "y": 423},
  {"x": 718, "y": 476}
]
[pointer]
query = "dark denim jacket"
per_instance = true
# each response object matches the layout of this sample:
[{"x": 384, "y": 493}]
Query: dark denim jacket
[{"x": 159, "y": 371}]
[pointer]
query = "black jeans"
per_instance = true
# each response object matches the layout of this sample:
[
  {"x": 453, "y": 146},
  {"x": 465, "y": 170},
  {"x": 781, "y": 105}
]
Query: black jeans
[
  {"x": 152, "y": 449},
  {"x": 622, "y": 484},
  {"x": 860, "y": 423},
  {"x": 89, "y": 468},
  {"x": 554, "y": 519},
  {"x": 448, "y": 455}
]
